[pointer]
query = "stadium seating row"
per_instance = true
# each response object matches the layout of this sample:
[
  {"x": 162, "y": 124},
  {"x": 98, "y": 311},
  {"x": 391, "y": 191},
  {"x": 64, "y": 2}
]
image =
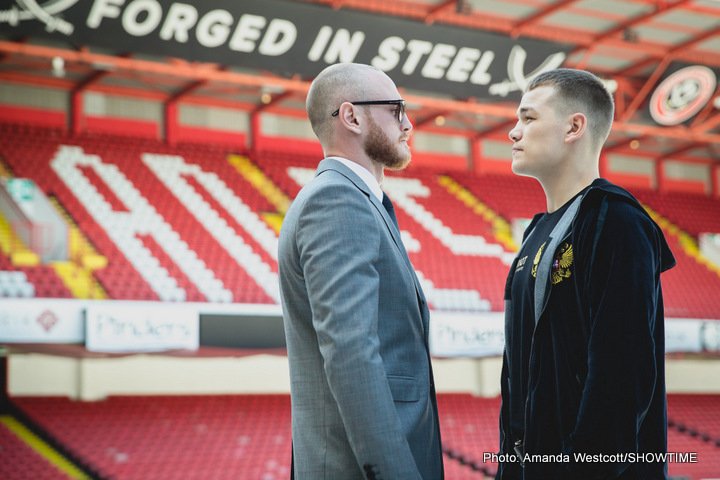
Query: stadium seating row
[
  {"x": 20, "y": 461},
  {"x": 249, "y": 435},
  {"x": 187, "y": 223}
]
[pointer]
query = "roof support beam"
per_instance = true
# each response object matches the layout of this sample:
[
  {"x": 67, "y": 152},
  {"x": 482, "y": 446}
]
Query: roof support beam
[
  {"x": 255, "y": 125},
  {"x": 708, "y": 124},
  {"x": 195, "y": 73},
  {"x": 645, "y": 90},
  {"x": 439, "y": 9},
  {"x": 423, "y": 121},
  {"x": 623, "y": 144},
  {"x": 517, "y": 29},
  {"x": 171, "y": 123},
  {"x": 673, "y": 52},
  {"x": 76, "y": 114},
  {"x": 712, "y": 104},
  {"x": 501, "y": 127}
]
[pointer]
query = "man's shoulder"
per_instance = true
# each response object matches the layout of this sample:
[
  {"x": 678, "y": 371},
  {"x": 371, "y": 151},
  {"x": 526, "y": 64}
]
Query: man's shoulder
[
  {"x": 328, "y": 182},
  {"x": 602, "y": 189},
  {"x": 606, "y": 201}
]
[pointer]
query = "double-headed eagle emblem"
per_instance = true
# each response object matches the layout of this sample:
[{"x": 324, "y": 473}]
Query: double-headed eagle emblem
[{"x": 561, "y": 264}]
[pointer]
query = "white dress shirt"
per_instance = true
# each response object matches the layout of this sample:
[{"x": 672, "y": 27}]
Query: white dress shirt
[{"x": 364, "y": 175}]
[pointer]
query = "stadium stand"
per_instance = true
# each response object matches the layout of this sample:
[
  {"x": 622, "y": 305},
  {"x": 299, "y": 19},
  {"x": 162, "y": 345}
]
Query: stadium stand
[
  {"x": 696, "y": 415},
  {"x": 20, "y": 461},
  {"x": 676, "y": 206},
  {"x": 173, "y": 437},
  {"x": 193, "y": 227},
  {"x": 708, "y": 457},
  {"x": 223, "y": 436},
  {"x": 105, "y": 124}
]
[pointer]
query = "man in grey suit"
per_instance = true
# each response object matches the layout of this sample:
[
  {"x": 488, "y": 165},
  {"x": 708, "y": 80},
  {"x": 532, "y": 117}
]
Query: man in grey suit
[{"x": 356, "y": 319}]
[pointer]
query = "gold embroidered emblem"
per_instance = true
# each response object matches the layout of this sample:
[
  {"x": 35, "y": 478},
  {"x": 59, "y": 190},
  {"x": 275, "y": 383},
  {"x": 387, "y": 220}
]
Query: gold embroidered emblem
[
  {"x": 561, "y": 264},
  {"x": 537, "y": 260}
]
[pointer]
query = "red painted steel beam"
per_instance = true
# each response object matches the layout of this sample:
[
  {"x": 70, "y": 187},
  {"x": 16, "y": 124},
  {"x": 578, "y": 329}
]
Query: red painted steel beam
[
  {"x": 76, "y": 115},
  {"x": 622, "y": 144},
  {"x": 146, "y": 66},
  {"x": 518, "y": 28},
  {"x": 634, "y": 21},
  {"x": 277, "y": 98},
  {"x": 428, "y": 119},
  {"x": 673, "y": 52},
  {"x": 598, "y": 39},
  {"x": 645, "y": 90},
  {"x": 500, "y": 127},
  {"x": 679, "y": 132},
  {"x": 171, "y": 123},
  {"x": 210, "y": 74},
  {"x": 436, "y": 10},
  {"x": 703, "y": 114},
  {"x": 708, "y": 124},
  {"x": 679, "y": 151}
]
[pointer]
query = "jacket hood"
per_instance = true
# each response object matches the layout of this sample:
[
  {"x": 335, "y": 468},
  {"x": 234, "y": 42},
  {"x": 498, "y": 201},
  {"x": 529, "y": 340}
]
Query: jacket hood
[{"x": 601, "y": 187}]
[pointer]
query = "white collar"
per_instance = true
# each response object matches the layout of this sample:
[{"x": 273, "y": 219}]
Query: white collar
[{"x": 364, "y": 175}]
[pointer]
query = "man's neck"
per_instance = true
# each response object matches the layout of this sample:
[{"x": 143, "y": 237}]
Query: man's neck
[
  {"x": 558, "y": 191},
  {"x": 376, "y": 169}
]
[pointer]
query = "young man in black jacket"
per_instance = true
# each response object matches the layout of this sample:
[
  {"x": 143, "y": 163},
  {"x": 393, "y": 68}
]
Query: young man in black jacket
[{"x": 583, "y": 380}]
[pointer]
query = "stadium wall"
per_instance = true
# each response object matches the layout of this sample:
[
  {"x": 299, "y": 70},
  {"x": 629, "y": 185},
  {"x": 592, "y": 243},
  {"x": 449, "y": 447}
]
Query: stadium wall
[{"x": 93, "y": 378}]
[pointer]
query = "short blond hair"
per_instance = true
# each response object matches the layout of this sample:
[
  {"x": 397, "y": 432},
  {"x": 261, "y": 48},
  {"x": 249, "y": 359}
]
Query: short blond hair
[{"x": 336, "y": 84}]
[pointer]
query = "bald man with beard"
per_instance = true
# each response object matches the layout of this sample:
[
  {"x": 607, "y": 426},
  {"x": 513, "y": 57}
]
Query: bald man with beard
[{"x": 355, "y": 316}]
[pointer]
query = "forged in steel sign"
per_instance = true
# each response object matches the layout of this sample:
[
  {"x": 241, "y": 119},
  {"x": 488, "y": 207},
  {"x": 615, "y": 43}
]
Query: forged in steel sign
[{"x": 294, "y": 38}]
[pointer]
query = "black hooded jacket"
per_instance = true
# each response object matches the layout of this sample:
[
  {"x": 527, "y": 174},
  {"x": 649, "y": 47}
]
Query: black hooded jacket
[{"x": 596, "y": 375}]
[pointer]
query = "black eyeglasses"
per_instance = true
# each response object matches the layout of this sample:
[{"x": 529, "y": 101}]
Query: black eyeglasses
[{"x": 399, "y": 107}]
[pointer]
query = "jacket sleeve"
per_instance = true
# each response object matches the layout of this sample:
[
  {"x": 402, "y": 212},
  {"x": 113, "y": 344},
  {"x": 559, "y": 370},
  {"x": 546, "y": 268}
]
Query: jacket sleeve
[
  {"x": 338, "y": 239},
  {"x": 623, "y": 285}
]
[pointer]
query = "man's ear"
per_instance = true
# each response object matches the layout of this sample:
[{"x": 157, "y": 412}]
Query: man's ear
[
  {"x": 348, "y": 117},
  {"x": 577, "y": 126}
]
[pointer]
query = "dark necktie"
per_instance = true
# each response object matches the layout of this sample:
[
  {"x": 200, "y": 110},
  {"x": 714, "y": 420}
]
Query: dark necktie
[{"x": 391, "y": 211}]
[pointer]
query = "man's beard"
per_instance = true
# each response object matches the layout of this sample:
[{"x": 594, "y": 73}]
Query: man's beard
[{"x": 380, "y": 149}]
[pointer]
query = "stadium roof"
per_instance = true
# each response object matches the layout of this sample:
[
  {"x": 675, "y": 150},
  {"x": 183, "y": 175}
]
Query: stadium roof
[{"x": 632, "y": 43}]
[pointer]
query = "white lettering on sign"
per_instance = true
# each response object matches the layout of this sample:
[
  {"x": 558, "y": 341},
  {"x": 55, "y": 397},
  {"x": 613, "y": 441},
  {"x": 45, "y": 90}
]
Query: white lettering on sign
[
  {"x": 433, "y": 62},
  {"x": 442, "y": 60},
  {"x": 279, "y": 38},
  {"x": 340, "y": 47},
  {"x": 103, "y": 9},
  {"x": 141, "y": 17},
  {"x": 417, "y": 49},
  {"x": 130, "y": 327},
  {"x": 181, "y": 18},
  {"x": 213, "y": 29},
  {"x": 438, "y": 61},
  {"x": 248, "y": 31}
]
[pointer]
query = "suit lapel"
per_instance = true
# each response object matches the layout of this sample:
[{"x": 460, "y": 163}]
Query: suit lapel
[{"x": 330, "y": 164}]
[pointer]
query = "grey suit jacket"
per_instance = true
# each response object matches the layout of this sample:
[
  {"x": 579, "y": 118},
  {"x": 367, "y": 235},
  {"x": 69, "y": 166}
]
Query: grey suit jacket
[{"x": 356, "y": 325}]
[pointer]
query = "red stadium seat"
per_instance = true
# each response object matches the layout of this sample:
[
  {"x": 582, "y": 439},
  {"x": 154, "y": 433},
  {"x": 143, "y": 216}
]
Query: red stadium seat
[{"x": 458, "y": 281}]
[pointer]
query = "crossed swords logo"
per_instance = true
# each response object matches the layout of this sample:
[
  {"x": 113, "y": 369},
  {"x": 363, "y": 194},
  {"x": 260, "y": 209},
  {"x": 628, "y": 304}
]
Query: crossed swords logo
[{"x": 46, "y": 13}]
